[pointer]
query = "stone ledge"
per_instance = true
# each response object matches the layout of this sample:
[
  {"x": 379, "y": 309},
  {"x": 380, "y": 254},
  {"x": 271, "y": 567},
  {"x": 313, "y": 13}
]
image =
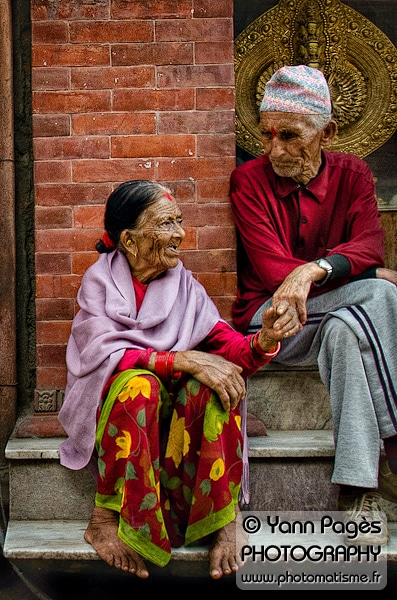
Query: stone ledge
[
  {"x": 63, "y": 540},
  {"x": 274, "y": 366},
  {"x": 293, "y": 444},
  {"x": 296, "y": 443},
  {"x": 33, "y": 448}
]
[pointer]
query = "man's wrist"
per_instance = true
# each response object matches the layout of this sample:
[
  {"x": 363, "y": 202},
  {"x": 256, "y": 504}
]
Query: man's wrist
[{"x": 324, "y": 264}]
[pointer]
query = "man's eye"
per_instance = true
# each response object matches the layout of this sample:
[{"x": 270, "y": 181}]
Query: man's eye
[
  {"x": 284, "y": 136},
  {"x": 287, "y": 136}
]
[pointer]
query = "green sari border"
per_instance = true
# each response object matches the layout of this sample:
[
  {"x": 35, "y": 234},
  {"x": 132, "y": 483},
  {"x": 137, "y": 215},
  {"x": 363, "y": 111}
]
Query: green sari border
[
  {"x": 133, "y": 537},
  {"x": 210, "y": 523},
  {"x": 109, "y": 502},
  {"x": 143, "y": 545}
]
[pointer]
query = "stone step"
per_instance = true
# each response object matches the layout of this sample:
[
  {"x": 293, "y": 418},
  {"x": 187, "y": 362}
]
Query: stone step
[
  {"x": 63, "y": 540},
  {"x": 278, "y": 443},
  {"x": 57, "y": 492},
  {"x": 287, "y": 398},
  {"x": 289, "y": 470}
]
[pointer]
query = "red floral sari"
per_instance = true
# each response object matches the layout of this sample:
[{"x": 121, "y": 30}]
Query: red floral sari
[{"x": 170, "y": 461}]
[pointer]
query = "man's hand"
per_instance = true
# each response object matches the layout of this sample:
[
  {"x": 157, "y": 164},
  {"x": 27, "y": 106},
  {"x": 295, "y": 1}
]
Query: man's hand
[{"x": 294, "y": 290}]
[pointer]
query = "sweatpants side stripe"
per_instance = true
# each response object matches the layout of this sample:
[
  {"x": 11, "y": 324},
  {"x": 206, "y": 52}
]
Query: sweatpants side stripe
[{"x": 379, "y": 357}]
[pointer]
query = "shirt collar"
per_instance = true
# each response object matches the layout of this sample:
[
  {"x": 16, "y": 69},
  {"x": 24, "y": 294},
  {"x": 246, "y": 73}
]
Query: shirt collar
[{"x": 317, "y": 186}]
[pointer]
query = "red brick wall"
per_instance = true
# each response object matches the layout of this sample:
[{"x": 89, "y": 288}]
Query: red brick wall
[{"x": 127, "y": 90}]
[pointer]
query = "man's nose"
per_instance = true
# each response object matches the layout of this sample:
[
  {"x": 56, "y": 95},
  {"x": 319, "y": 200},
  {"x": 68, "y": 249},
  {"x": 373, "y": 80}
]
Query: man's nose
[{"x": 276, "y": 147}]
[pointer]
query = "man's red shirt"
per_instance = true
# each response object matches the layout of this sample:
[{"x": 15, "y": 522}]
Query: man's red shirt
[{"x": 281, "y": 225}]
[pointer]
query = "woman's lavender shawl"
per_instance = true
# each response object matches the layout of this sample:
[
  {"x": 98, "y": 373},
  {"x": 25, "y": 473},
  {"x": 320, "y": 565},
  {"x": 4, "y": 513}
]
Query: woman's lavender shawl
[{"x": 176, "y": 314}]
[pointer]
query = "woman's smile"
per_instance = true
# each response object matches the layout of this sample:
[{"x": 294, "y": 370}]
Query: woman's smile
[{"x": 173, "y": 249}]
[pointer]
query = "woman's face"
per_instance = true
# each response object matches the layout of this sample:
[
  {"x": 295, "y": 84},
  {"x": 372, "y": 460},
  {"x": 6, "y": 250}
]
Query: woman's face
[{"x": 156, "y": 247}]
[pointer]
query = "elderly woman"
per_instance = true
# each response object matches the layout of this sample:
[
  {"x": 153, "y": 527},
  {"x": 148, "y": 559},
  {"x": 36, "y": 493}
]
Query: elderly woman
[{"x": 155, "y": 378}]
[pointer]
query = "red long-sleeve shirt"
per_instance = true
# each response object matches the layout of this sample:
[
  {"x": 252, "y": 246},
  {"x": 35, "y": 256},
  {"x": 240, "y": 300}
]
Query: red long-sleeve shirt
[
  {"x": 281, "y": 225},
  {"x": 222, "y": 340}
]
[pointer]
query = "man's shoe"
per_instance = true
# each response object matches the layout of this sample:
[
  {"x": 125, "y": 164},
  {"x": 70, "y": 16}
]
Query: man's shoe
[
  {"x": 387, "y": 482},
  {"x": 370, "y": 520}
]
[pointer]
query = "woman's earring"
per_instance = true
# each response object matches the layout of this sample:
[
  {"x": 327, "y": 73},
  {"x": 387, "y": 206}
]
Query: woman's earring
[{"x": 128, "y": 243}]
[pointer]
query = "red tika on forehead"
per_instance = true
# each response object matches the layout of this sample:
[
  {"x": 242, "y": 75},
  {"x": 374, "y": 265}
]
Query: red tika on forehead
[
  {"x": 273, "y": 132},
  {"x": 170, "y": 198}
]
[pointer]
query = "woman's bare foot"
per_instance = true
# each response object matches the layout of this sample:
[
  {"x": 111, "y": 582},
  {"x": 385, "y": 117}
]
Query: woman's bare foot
[
  {"x": 102, "y": 534},
  {"x": 224, "y": 552}
]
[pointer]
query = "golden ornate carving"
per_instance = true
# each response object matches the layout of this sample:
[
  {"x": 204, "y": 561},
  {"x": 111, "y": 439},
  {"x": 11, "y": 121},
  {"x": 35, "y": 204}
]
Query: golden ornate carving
[{"x": 358, "y": 60}]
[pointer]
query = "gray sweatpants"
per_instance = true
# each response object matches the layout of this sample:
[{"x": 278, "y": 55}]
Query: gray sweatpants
[{"x": 351, "y": 334}]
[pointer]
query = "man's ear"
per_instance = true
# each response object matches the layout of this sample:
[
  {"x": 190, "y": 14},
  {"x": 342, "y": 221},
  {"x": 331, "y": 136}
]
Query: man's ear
[{"x": 329, "y": 133}]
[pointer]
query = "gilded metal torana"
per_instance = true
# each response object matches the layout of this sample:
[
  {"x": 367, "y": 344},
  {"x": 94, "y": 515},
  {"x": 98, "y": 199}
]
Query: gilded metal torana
[{"x": 358, "y": 60}]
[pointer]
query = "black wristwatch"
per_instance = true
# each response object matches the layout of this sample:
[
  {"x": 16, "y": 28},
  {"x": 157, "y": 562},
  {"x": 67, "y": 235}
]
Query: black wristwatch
[{"x": 324, "y": 264}]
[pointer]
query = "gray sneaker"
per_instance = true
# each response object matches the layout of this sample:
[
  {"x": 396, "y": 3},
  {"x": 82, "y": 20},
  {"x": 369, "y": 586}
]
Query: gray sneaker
[{"x": 365, "y": 512}]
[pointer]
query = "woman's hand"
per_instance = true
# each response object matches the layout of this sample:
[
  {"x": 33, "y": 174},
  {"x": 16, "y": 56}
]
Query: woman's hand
[
  {"x": 216, "y": 372},
  {"x": 277, "y": 325}
]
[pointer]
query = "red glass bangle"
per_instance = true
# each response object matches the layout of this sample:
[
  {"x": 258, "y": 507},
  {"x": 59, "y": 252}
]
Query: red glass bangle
[
  {"x": 258, "y": 350},
  {"x": 170, "y": 364},
  {"x": 164, "y": 364},
  {"x": 160, "y": 365}
]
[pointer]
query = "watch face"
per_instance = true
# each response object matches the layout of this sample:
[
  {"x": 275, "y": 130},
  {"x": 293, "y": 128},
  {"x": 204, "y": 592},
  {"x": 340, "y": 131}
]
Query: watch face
[{"x": 324, "y": 264}]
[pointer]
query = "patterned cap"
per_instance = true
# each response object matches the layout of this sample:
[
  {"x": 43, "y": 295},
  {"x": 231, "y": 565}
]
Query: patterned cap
[{"x": 299, "y": 89}]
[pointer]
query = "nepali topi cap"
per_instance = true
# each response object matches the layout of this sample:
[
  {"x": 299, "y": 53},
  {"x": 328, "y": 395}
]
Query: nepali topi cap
[{"x": 299, "y": 89}]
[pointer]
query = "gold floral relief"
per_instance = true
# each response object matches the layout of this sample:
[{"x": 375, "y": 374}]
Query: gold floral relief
[{"x": 358, "y": 60}]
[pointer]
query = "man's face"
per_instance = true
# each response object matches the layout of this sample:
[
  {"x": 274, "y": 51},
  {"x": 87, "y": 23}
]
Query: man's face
[{"x": 292, "y": 143}]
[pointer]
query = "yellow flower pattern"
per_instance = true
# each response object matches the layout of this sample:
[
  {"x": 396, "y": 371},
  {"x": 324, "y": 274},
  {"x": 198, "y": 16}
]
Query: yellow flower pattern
[
  {"x": 178, "y": 440},
  {"x": 135, "y": 386},
  {"x": 124, "y": 442},
  {"x": 217, "y": 469}
]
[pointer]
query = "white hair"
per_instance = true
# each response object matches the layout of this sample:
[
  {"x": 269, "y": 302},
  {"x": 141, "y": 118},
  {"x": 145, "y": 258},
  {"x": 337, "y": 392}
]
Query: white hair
[{"x": 319, "y": 121}]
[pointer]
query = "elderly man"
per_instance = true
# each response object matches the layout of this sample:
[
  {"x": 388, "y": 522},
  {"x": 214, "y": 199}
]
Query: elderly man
[{"x": 309, "y": 236}]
